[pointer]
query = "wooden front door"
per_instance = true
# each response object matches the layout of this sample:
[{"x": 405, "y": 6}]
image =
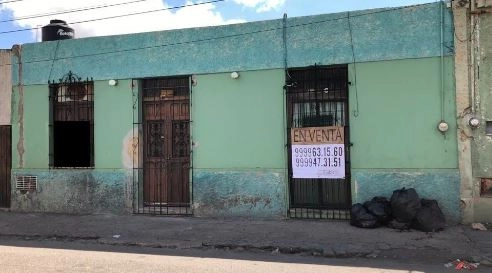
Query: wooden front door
[
  {"x": 5, "y": 165},
  {"x": 166, "y": 125}
]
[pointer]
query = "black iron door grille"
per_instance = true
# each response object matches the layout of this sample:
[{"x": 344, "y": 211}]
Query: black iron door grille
[
  {"x": 165, "y": 116},
  {"x": 317, "y": 96}
]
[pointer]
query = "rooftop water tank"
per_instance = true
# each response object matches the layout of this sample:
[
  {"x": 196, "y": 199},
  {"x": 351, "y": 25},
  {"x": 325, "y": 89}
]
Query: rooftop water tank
[{"x": 57, "y": 30}]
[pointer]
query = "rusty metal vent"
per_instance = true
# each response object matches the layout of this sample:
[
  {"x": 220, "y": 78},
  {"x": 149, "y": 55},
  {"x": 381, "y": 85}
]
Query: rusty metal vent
[
  {"x": 26, "y": 183},
  {"x": 486, "y": 187}
]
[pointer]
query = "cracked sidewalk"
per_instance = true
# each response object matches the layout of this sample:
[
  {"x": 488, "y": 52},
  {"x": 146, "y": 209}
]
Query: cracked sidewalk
[{"x": 289, "y": 236}]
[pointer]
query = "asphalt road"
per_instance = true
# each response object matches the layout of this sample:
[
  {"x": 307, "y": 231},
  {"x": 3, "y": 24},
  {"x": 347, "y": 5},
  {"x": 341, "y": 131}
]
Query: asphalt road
[{"x": 18, "y": 255}]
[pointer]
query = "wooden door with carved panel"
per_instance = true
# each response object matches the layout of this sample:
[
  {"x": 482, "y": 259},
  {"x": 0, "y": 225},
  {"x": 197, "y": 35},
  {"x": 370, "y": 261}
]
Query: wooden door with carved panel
[{"x": 166, "y": 125}]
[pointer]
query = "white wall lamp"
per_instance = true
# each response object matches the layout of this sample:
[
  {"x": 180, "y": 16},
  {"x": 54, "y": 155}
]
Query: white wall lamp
[
  {"x": 474, "y": 122},
  {"x": 113, "y": 82},
  {"x": 234, "y": 75},
  {"x": 443, "y": 126}
]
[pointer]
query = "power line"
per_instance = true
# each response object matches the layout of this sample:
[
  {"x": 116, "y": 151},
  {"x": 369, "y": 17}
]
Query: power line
[
  {"x": 226, "y": 36},
  {"x": 121, "y": 15},
  {"x": 11, "y": 1},
  {"x": 69, "y": 11}
]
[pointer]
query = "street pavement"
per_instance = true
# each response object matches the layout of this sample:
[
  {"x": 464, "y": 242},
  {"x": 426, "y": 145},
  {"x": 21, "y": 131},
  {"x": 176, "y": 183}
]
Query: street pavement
[{"x": 320, "y": 238}]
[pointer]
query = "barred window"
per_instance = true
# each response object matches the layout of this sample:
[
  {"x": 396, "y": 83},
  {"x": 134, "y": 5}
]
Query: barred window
[{"x": 72, "y": 123}]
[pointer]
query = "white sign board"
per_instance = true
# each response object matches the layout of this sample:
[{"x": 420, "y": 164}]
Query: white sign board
[
  {"x": 318, "y": 152},
  {"x": 318, "y": 161}
]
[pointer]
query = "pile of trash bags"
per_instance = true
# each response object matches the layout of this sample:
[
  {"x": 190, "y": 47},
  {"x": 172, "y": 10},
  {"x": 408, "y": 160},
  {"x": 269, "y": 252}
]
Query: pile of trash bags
[{"x": 403, "y": 211}]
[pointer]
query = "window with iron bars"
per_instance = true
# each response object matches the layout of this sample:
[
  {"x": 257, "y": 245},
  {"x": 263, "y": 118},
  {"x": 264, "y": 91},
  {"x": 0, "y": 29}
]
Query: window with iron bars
[{"x": 72, "y": 123}]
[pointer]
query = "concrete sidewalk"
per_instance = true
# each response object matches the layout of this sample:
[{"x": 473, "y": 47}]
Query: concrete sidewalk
[{"x": 311, "y": 237}]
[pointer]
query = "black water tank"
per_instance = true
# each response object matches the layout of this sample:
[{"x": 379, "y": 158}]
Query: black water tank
[{"x": 57, "y": 30}]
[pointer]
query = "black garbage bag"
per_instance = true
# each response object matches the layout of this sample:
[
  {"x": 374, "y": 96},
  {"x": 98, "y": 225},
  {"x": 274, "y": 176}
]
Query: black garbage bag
[
  {"x": 398, "y": 225},
  {"x": 404, "y": 205},
  {"x": 360, "y": 217},
  {"x": 429, "y": 217},
  {"x": 379, "y": 207}
]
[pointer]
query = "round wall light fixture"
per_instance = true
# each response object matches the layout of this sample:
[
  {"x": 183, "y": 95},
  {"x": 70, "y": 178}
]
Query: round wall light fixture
[
  {"x": 443, "y": 127},
  {"x": 112, "y": 82},
  {"x": 234, "y": 75},
  {"x": 474, "y": 122}
]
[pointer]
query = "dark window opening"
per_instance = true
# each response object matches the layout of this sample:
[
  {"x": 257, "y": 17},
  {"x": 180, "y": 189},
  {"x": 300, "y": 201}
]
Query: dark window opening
[
  {"x": 488, "y": 127},
  {"x": 72, "y": 123},
  {"x": 72, "y": 146},
  {"x": 486, "y": 187}
]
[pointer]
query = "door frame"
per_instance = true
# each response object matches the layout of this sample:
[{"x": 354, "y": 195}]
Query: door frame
[
  {"x": 5, "y": 166},
  {"x": 313, "y": 82},
  {"x": 165, "y": 208}
]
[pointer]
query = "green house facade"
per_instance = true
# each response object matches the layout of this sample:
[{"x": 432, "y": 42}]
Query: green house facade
[{"x": 198, "y": 121}]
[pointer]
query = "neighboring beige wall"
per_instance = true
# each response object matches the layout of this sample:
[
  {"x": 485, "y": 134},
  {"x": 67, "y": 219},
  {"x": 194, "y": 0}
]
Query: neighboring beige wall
[
  {"x": 5, "y": 86},
  {"x": 482, "y": 148},
  {"x": 463, "y": 107},
  {"x": 472, "y": 55}
]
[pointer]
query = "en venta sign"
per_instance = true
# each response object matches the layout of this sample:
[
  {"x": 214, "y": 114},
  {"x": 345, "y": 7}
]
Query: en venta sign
[{"x": 318, "y": 152}]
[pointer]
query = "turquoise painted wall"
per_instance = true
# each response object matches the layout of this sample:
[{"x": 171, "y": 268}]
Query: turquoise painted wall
[
  {"x": 442, "y": 185},
  {"x": 411, "y": 32},
  {"x": 239, "y": 144},
  {"x": 75, "y": 191}
]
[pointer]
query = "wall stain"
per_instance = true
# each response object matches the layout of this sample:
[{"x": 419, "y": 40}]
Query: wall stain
[
  {"x": 17, "y": 50},
  {"x": 130, "y": 149}
]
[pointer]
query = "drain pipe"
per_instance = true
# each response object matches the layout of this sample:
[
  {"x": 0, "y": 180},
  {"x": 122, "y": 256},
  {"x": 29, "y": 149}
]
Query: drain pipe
[
  {"x": 474, "y": 121},
  {"x": 442, "y": 60},
  {"x": 284, "y": 97}
]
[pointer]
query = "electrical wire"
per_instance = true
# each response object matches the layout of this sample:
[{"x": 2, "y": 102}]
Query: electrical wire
[
  {"x": 11, "y": 1},
  {"x": 469, "y": 37},
  {"x": 70, "y": 11},
  {"x": 54, "y": 58},
  {"x": 225, "y": 36},
  {"x": 356, "y": 111},
  {"x": 121, "y": 15}
]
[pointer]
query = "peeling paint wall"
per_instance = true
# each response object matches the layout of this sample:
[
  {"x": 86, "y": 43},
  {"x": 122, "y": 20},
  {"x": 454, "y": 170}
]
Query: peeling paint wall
[
  {"x": 464, "y": 108},
  {"x": 246, "y": 193},
  {"x": 412, "y": 32},
  {"x": 442, "y": 185},
  {"x": 5, "y": 86},
  {"x": 473, "y": 44},
  {"x": 482, "y": 142},
  {"x": 75, "y": 191}
]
